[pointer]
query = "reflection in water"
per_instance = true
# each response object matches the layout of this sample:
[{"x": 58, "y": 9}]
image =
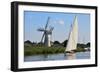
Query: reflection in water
[
  {"x": 60, "y": 56},
  {"x": 71, "y": 56},
  {"x": 45, "y": 57}
]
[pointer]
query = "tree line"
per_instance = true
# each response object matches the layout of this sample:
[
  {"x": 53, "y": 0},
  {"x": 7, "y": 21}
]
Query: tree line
[{"x": 81, "y": 45}]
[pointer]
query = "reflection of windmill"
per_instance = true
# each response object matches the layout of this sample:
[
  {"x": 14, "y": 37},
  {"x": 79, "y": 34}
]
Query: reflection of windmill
[{"x": 46, "y": 34}]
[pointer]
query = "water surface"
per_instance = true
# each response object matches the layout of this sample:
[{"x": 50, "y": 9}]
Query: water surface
[{"x": 60, "y": 56}]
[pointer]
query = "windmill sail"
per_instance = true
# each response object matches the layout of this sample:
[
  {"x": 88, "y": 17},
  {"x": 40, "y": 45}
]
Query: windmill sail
[
  {"x": 46, "y": 34},
  {"x": 73, "y": 36},
  {"x": 45, "y": 29}
]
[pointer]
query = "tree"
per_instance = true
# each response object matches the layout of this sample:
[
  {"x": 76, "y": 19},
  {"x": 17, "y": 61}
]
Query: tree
[
  {"x": 88, "y": 44},
  {"x": 81, "y": 45},
  {"x": 56, "y": 42},
  {"x": 28, "y": 42},
  {"x": 64, "y": 43}
]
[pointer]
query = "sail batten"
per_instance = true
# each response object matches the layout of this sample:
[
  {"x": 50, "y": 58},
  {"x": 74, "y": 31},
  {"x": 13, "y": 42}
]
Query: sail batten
[{"x": 73, "y": 36}]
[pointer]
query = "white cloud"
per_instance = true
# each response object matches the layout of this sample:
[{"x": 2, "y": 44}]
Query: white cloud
[
  {"x": 61, "y": 22},
  {"x": 58, "y": 22}
]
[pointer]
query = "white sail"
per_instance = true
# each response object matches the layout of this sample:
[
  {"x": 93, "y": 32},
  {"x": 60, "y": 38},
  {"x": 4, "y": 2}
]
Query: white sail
[{"x": 73, "y": 36}]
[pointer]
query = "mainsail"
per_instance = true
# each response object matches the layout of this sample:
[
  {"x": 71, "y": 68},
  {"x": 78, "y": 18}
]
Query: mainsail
[{"x": 73, "y": 36}]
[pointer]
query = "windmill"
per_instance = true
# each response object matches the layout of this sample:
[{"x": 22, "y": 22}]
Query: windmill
[{"x": 47, "y": 33}]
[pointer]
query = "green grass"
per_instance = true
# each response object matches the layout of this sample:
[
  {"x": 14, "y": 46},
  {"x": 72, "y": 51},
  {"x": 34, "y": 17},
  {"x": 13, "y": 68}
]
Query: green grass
[
  {"x": 35, "y": 50},
  {"x": 40, "y": 49}
]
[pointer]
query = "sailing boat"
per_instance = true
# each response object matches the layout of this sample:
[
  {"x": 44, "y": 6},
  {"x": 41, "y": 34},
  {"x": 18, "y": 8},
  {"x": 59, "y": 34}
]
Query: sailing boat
[{"x": 73, "y": 38}]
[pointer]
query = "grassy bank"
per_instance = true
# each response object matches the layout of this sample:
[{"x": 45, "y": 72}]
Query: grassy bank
[
  {"x": 42, "y": 50},
  {"x": 38, "y": 49}
]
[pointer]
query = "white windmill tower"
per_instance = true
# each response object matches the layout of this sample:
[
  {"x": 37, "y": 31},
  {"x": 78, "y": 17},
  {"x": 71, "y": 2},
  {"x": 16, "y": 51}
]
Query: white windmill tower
[{"x": 46, "y": 34}]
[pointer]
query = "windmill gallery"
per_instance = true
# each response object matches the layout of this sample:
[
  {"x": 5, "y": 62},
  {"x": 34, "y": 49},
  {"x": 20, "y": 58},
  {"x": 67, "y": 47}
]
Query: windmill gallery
[{"x": 46, "y": 46}]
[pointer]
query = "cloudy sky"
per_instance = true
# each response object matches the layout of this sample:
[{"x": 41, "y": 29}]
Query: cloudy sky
[{"x": 61, "y": 23}]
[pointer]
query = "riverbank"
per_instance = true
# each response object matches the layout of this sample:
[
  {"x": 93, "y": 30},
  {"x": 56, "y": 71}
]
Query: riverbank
[{"x": 37, "y": 50}]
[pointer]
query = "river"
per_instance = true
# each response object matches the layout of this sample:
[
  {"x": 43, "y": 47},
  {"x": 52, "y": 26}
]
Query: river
[{"x": 60, "y": 56}]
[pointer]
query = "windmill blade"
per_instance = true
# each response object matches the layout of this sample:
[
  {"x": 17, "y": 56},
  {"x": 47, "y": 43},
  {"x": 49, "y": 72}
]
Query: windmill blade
[
  {"x": 40, "y": 29},
  {"x": 44, "y": 29},
  {"x": 51, "y": 37},
  {"x": 47, "y": 23},
  {"x": 42, "y": 37},
  {"x": 51, "y": 28}
]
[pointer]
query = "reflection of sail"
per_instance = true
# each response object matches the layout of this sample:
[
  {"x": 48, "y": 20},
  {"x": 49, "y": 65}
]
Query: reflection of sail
[
  {"x": 73, "y": 37},
  {"x": 71, "y": 56}
]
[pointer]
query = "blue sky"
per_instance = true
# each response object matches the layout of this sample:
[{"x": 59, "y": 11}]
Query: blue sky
[{"x": 61, "y": 23}]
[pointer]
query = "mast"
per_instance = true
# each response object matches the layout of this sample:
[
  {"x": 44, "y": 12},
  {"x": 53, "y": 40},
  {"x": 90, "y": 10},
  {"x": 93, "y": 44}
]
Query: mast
[{"x": 73, "y": 36}]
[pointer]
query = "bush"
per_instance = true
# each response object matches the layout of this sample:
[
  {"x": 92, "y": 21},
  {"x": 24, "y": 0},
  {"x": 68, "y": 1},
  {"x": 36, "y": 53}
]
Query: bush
[{"x": 35, "y": 50}]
